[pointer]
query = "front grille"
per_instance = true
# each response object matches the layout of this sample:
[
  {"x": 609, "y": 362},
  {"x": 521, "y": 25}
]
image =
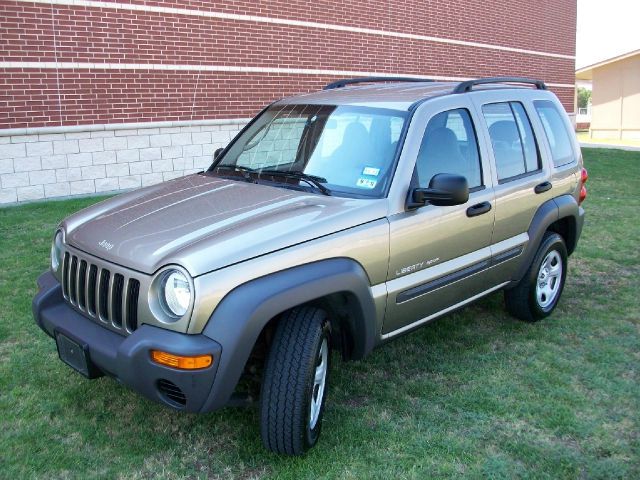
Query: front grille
[{"x": 109, "y": 298}]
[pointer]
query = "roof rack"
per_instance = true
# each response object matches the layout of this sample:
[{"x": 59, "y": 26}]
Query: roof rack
[
  {"x": 467, "y": 86},
  {"x": 350, "y": 81}
]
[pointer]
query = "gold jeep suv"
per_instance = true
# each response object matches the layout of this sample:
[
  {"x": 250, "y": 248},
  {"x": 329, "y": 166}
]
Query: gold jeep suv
[{"x": 334, "y": 221}]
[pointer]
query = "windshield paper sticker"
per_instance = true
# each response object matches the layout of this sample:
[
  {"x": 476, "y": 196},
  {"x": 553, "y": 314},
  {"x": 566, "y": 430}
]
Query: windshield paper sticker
[
  {"x": 371, "y": 171},
  {"x": 366, "y": 183}
]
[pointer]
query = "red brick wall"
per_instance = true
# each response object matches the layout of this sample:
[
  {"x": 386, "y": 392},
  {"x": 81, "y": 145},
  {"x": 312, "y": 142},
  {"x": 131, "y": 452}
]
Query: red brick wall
[
  {"x": 545, "y": 25},
  {"x": 43, "y": 32}
]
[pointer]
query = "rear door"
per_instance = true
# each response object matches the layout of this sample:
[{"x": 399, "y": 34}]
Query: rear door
[
  {"x": 522, "y": 175},
  {"x": 439, "y": 256}
]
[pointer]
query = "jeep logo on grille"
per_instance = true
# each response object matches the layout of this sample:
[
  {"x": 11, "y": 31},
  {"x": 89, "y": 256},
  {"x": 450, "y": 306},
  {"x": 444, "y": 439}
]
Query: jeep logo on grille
[{"x": 106, "y": 245}]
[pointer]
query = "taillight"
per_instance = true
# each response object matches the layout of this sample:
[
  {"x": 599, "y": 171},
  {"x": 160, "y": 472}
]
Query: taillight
[{"x": 584, "y": 176}]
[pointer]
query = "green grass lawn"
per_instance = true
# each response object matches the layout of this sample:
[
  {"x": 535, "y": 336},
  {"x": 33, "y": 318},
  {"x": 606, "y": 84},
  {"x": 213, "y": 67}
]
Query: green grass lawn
[{"x": 475, "y": 394}]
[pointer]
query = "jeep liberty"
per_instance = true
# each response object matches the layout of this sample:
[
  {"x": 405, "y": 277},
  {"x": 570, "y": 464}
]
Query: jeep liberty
[{"x": 333, "y": 222}]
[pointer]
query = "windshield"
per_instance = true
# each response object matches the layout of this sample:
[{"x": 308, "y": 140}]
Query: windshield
[{"x": 349, "y": 150}]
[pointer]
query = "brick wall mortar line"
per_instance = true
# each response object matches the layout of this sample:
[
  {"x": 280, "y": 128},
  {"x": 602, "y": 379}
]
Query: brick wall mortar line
[
  {"x": 226, "y": 68},
  {"x": 290, "y": 22}
]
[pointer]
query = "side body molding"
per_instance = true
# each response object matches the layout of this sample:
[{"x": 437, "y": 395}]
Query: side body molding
[
  {"x": 238, "y": 320},
  {"x": 548, "y": 213}
]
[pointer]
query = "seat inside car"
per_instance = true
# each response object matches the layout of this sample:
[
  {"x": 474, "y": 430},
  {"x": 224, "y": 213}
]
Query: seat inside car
[
  {"x": 506, "y": 148},
  {"x": 440, "y": 154}
]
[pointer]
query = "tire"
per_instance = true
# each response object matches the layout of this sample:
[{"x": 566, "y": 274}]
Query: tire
[
  {"x": 291, "y": 400},
  {"x": 537, "y": 294}
]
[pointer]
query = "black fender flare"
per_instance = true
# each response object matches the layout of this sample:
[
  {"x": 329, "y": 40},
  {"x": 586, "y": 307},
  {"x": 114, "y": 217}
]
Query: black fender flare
[
  {"x": 239, "y": 318},
  {"x": 548, "y": 213}
]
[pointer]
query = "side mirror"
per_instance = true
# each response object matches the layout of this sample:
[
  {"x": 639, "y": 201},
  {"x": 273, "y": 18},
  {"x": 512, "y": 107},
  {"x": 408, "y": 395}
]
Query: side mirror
[
  {"x": 217, "y": 153},
  {"x": 444, "y": 189}
]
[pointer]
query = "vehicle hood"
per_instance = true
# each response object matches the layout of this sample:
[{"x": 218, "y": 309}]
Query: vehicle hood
[{"x": 204, "y": 223}]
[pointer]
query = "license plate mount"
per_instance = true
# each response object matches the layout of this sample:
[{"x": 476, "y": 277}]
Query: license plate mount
[{"x": 76, "y": 355}]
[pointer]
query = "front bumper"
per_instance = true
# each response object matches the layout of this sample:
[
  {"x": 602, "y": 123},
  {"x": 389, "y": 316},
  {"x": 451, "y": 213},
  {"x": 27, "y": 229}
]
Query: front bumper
[{"x": 128, "y": 359}]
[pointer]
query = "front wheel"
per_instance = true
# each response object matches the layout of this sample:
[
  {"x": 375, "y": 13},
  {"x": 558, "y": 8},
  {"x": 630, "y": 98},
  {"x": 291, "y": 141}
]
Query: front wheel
[
  {"x": 537, "y": 294},
  {"x": 294, "y": 385}
]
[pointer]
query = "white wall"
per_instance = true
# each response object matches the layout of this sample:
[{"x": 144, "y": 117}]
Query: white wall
[{"x": 37, "y": 164}]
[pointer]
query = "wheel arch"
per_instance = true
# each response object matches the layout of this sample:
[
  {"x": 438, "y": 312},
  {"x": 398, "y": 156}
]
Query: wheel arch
[
  {"x": 340, "y": 285},
  {"x": 561, "y": 215}
]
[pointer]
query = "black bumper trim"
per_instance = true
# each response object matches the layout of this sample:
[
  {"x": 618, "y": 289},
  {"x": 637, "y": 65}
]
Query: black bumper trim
[{"x": 128, "y": 358}]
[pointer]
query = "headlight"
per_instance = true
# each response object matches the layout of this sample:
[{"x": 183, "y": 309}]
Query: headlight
[
  {"x": 56, "y": 251},
  {"x": 175, "y": 293}
]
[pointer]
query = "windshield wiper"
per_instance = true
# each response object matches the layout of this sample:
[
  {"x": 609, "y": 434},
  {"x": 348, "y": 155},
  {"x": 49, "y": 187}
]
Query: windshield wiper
[
  {"x": 312, "y": 180},
  {"x": 244, "y": 171}
]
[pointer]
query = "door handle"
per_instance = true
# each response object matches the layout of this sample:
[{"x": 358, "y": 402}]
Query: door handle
[
  {"x": 478, "y": 209},
  {"x": 543, "y": 187}
]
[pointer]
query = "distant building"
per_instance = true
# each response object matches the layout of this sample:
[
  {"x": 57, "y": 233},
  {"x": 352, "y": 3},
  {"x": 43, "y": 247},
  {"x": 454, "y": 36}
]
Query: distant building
[{"x": 615, "y": 97}]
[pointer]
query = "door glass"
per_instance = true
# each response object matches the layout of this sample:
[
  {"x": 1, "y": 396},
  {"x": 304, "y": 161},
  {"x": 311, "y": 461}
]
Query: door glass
[
  {"x": 449, "y": 146},
  {"x": 529, "y": 146},
  {"x": 514, "y": 146}
]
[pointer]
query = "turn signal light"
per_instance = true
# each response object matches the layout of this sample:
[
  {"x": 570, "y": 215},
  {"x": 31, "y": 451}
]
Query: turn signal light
[{"x": 180, "y": 361}]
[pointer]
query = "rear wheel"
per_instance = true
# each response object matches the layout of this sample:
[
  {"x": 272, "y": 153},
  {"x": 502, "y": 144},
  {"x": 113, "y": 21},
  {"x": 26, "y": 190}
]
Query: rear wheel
[
  {"x": 538, "y": 293},
  {"x": 294, "y": 385}
]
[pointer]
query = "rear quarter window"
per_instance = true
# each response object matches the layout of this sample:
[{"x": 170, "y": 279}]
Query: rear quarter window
[{"x": 556, "y": 132}]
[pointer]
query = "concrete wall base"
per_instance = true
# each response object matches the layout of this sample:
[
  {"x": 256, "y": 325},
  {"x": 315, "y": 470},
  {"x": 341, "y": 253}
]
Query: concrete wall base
[{"x": 54, "y": 162}]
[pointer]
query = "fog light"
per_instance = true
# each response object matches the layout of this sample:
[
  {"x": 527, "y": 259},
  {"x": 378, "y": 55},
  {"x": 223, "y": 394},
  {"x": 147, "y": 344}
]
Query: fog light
[{"x": 180, "y": 361}]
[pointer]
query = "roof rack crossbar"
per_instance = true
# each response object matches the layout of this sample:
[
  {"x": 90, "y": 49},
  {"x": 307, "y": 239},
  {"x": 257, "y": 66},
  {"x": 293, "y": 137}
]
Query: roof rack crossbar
[
  {"x": 467, "y": 86},
  {"x": 350, "y": 81}
]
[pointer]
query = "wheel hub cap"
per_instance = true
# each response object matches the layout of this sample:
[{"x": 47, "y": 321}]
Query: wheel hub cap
[
  {"x": 549, "y": 279},
  {"x": 319, "y": 382}
]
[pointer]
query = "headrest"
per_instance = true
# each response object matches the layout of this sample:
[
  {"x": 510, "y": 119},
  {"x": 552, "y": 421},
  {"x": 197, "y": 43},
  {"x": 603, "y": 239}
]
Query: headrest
[{"x": 504, "y": 131}]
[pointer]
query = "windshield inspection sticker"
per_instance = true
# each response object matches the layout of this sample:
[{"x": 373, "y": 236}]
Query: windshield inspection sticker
[
  {"x": 371, "y": 171},
  {"x": 366, "y": 183}
]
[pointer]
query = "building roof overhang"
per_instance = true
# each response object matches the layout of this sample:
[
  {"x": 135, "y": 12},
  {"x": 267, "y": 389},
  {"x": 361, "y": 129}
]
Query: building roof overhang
[{"x": 586, "y": 73}]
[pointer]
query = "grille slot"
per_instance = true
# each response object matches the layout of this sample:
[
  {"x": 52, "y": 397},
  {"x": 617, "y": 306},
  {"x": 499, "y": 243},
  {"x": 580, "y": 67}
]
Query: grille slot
[
  {"x": 103, "y": 295},
  {"x": 116, "y": 300},
  {"x": 82, "y": 285},
  {"x": 65, "y": 275},
  {"x": 73, "y": 280},
  {"x": 91, "y": 301},
  {"x": 100, "y": 293},
  {"x": 171, "y": 391},
  {"x": 132, "y": 304}
]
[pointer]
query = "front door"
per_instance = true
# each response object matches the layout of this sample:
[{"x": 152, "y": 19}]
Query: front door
[{"x": 439, "y": 256}]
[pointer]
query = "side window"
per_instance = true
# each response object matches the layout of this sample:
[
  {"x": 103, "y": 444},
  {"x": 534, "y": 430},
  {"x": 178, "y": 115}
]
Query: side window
[
  {"x": 514, "y": 146},
  {"x": 528, "y": 141},
  {"x": 449, "y": 145},
  {"x": 556, "y": 131}
]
